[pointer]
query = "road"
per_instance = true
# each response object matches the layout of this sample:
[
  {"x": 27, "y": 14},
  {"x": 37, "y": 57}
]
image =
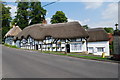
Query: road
[{"x": 17, "y": 63}]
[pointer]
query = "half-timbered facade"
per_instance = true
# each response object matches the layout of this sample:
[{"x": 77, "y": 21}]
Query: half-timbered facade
[
  {"x": 70, "y": 37},
  {"x": 10, "y": 35}
]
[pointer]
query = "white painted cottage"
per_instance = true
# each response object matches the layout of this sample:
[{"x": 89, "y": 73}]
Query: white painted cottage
[
  {"x": 11, "y": 34},
  {"x": 98, "y": 41},
  {"x": 69, "y": 37}
]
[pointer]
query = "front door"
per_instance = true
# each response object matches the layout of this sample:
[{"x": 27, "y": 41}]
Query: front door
[
  {"x": 36, "y": 46},
  {"x": 68, "y": 48}
]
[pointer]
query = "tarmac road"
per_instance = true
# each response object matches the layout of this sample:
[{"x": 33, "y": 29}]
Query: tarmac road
[{"x": 18, "y": 63}]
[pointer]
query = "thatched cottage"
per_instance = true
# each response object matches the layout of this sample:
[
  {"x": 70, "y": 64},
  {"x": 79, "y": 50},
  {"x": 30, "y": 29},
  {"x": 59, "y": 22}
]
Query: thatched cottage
[
  {"x": 9, "y": 37},
  {"x": 69, "y": 37},
  {"x": 98, "y": 41}
]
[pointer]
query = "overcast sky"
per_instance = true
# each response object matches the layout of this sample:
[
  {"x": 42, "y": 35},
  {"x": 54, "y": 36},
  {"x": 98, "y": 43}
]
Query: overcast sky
[{"x": 94, "y": 14}]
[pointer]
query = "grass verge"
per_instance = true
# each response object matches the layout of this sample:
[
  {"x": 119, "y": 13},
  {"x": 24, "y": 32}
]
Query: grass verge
[
  {"x": 11, "y": 46},
  {"x": 78, "y": 56}
]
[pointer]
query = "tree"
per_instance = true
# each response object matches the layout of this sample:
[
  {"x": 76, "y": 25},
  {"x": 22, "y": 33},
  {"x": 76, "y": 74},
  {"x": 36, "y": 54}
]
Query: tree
[
  {"x": 109, "y": 30},
  {"x": 22, "y": 17},
  {"x": 86, "y": 27},
  {"x": 59, "y": 17},
  {"x": 29, "y": 13},
  {"x": 37, "y": 13},
  {"x": 6, "y": 19}
]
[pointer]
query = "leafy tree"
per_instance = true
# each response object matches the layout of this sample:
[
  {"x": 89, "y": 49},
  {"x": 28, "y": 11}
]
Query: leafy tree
[
  {"x": 37, "y": 13},
  {"x": 6, "y": 19},
  {"x": 22, "y": 17},
  {"x": 59, "y": 17},
  {"x": 109, "y": 30},
  {"x": 29, "y": 13},
  {"x": 86, "y": 27}
]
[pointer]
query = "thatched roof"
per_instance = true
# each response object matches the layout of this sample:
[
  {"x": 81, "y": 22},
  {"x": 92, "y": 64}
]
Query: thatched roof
[
  {"x": 60, "y": 30},
  {"x": 97, "y": 34},
  {"x": 13, "y": 31}
]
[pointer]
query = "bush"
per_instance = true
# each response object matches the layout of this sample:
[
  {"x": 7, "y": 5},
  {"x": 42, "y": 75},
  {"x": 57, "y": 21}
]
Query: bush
[
  {"x": 53, "y": 47},
  {"x": 91, "y": 53},
  {"x": 10, "y": 46}
]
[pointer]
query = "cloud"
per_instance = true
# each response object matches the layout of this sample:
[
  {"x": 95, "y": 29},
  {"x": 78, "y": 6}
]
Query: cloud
[
  {"x": 93, "y": 5},
  {"x": 111, "y": 12},
  {"x": 103, "y": 24},
  {"x": 12, "y": 10},
  {"x": 70, "y": 0},
  {"x": 71, "y": 20},
  {"x": 48, "y": 20},
  {"x": 84, "y": 22},
  {"x": 109, "y": 17}
]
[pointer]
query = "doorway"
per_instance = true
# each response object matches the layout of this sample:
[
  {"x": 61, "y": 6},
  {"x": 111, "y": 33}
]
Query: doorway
[
  {"x": 36, "y": 46},
  {"x": 68, "y": 48}
]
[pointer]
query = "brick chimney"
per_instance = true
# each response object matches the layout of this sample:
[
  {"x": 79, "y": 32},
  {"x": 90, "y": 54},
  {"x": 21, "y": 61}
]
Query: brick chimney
[{"x": 44, "y": 22}]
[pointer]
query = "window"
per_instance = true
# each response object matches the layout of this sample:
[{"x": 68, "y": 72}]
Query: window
[
  {"x": 76, "y": 46},
  {"x": 100, "y": 49},
  {"x": 90, "y": 49},
  {"x": 62, "y": 40},
  {"x": 48, "y": 38},
  {"x": 73, "y": 40},
  {"x": 76, "y": 40},
  {"x": 79, "y": 39}
]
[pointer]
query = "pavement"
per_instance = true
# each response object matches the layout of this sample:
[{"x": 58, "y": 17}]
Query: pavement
[{"x": 18, "y": 63}]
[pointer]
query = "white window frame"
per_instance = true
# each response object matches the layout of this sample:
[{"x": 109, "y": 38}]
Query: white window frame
[{"x": 100, "y": 49}]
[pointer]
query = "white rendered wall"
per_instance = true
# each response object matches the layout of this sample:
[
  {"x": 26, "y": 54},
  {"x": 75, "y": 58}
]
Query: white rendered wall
[
  {"x": 104, "y": 44},
  {"x": 17, "y": 43}
]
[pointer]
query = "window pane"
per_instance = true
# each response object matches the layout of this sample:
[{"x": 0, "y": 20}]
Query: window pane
[{"x": 100, "y": 49}]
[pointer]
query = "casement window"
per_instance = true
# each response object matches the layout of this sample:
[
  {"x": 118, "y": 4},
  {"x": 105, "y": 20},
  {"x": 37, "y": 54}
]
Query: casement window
[
  {"x": 30, "y": 40},
  {"x": 76, "y": 40},
  {"x": 91, "y": 50},
  {"x": 24, "y": 41},
  {"x": 76, "y": 46},
  {"x": 100, "y": 49},
  {"x": 79, "y": 39},
  {"x": 49, "y": 45},
  {"x": 73, "y": 40},
  {"x": 48, "y": 38},
  {"x": 62, "y": 40}
]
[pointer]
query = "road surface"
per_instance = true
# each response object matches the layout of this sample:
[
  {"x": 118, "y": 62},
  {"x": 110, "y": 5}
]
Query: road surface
[{"x": 17, "y": 63}]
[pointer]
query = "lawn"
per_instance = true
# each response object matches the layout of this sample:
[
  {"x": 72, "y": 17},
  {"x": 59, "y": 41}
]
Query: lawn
[
  {"x": 76, "y": 55},
  {"x": 10, "y": 46}
]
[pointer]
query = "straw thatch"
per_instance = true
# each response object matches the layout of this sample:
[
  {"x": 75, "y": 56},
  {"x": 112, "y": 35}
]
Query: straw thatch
[
  {"x": 13, "y": 31},
  {"x": 97, "y": 34},
  {"x": 60, "y": 30}
]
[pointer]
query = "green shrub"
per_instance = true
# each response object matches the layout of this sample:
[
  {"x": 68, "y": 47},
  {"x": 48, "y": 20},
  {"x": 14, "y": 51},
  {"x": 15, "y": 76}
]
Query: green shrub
[
  {"x": 91, "y": 53},
  {"x": 10, "y": 46}
]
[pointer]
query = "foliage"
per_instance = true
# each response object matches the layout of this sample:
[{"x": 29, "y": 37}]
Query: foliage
[
  {"x": 53, "y": 47},
  {"x": 37, "y": 13},
  {"x": 10, "y": 46},
  {"x": 78, "y": 56},
  {"x": 29, "y": 13},
  {"x": 109, "y": 30},
  {"x": 86, "y": 27},
  {"x": 59, "y": 17},
  {"x": 6, "y": 19},
  {"x": 22, "y": 17},
  {"x": 111, "y": 48}
]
